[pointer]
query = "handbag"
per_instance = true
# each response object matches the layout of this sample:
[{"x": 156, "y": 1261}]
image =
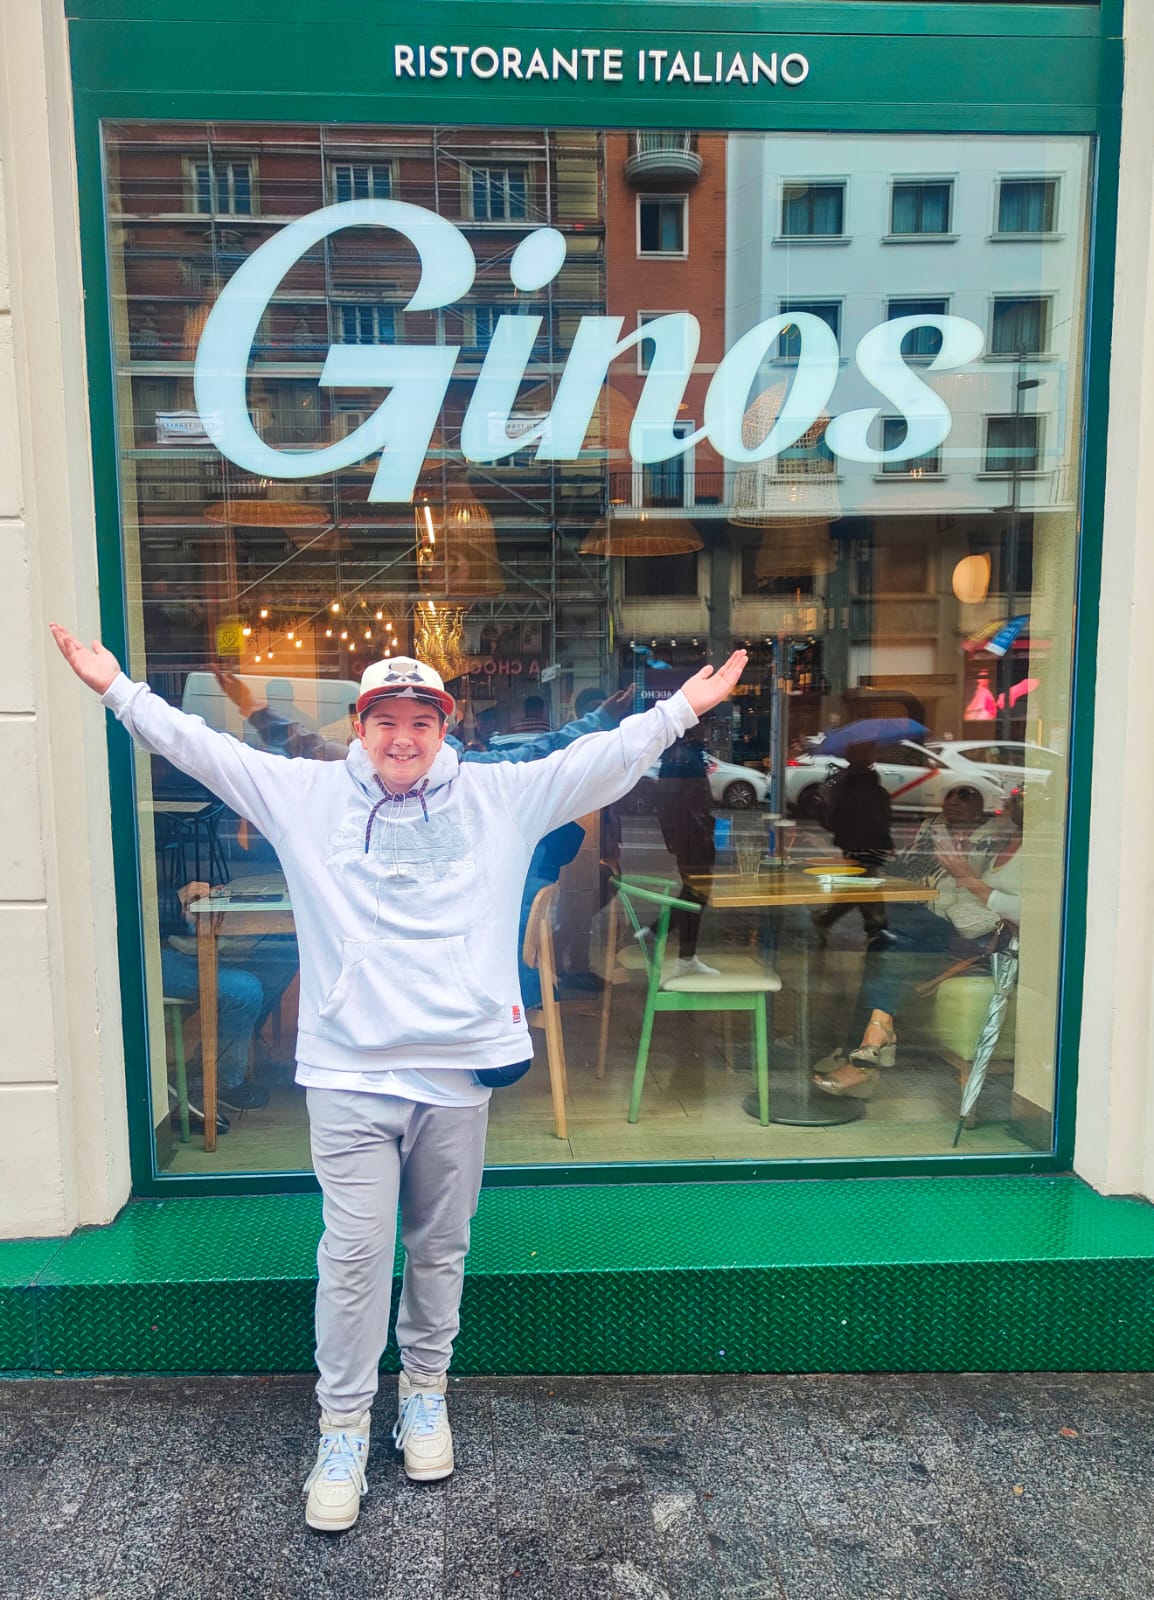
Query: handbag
[{"x": 1000, "y": 939}]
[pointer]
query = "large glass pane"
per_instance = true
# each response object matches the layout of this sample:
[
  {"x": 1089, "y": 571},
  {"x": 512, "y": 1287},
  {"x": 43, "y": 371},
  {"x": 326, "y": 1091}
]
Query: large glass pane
[{"x": 876, "y": 494}]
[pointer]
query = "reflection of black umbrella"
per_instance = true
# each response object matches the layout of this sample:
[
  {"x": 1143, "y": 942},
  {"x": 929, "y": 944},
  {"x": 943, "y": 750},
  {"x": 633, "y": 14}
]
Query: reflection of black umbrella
[
  {"x": 1004, "y": 966},
  {"x": 871, "y": 730}
]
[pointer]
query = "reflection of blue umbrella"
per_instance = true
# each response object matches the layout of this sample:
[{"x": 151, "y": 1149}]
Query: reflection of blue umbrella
[{"x": 871, "y": 730}]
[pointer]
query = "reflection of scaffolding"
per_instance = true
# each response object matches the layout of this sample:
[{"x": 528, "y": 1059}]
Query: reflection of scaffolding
[{"x": 353, "y": 286}]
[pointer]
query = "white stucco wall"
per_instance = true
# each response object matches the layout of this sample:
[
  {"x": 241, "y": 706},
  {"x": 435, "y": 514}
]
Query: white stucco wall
[
  {"x": 64, "y": 1158},
  {"x": 1115, "y": 1147}
]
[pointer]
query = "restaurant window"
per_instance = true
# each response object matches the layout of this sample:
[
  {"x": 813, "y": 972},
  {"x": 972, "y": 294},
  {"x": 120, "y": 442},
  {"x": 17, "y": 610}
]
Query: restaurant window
[
  {"x": 812, "y": 210},
  {"x": 661, "y": 225},
  {"x": 361, "y": 180},
  {"x": 877, "y": 559},
  {"x": 499, "y": 194},
  {"x": 789, "y": 340},
  {"x": 921, "y": 207},
  {"x": 362, "y": 324},
  {"x": 221, "y": 187},
  {"x": 1013, "y": 444},
  {"x": 926, "y": 341},
  {"x": 1027, "y": 205},
  {"x": 1019, "y": 326},
  {"x": 893, "y": 435},
  {"x": 662, "y": 575}
]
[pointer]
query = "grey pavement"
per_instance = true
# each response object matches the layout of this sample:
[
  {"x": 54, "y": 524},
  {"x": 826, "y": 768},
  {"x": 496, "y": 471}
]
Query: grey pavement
[{"x": 926, "y": 1487}]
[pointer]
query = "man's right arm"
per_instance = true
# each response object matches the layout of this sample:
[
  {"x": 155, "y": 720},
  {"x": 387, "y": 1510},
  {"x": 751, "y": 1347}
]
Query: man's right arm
[{"x": 251, "y": 781}]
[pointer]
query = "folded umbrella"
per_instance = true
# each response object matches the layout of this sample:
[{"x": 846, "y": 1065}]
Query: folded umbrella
[{"x": 1004, "y": 966}]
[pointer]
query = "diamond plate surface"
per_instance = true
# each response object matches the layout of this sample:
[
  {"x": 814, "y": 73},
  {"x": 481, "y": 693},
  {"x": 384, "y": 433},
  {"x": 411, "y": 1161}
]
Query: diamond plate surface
[
  {"x": 993, "y": 1274},
  {"x": 21, "y": 1262}
]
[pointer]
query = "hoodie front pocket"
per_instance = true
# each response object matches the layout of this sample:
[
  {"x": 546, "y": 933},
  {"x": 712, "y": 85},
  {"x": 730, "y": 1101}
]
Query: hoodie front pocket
[{"x": 397, "y": 992}]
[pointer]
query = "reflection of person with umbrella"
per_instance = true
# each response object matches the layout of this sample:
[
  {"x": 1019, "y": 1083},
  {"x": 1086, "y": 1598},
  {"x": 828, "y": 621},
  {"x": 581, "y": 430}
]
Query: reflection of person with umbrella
[
  {"x": 986, "y": 892},
  {"x": 685, "y": 812},
  {"x": 858, "y": 816}
]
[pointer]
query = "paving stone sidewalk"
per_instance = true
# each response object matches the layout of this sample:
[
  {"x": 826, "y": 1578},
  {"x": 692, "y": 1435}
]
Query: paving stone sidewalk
[{"x": 1004, "y": 1487}]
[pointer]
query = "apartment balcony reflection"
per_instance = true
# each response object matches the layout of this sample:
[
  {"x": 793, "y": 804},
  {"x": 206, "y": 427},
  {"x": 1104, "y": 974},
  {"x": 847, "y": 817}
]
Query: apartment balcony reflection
[{"x": 662, "y": 157}]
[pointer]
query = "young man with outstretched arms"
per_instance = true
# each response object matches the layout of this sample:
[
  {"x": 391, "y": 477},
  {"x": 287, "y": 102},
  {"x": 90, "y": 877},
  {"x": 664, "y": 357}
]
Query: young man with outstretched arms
[{"x": 405, "y": 868}]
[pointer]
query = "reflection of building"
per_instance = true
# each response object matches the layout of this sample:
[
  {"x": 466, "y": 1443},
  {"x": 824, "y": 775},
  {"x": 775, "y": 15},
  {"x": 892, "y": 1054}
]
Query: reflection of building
[
  {"x": 981, "y": 229},
  {"x": 314, "y": 572}
]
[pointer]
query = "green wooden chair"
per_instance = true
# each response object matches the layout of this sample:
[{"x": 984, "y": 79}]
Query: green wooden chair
[{"x": 741, "y": 984}]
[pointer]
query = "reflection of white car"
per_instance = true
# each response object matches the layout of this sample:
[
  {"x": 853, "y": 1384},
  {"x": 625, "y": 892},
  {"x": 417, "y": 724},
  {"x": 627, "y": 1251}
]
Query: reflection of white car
[
  {"x": 736, "y": 788},
  {"x": 917, "y": 778},
  {"x": 1010, "y": 761},
  {"x": 739, "y": 788}
]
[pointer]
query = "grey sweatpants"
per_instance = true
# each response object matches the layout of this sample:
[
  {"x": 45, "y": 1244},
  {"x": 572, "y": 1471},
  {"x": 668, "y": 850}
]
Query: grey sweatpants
[{"x": 372, "y": 1152}]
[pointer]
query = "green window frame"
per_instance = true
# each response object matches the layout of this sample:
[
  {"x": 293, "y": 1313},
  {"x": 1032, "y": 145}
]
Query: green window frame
[{"x": 1021, "y": 66}]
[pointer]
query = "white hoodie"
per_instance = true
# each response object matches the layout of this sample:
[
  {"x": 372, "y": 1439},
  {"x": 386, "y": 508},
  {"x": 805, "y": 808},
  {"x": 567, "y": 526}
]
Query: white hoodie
[{"x": 406, "y": 906}]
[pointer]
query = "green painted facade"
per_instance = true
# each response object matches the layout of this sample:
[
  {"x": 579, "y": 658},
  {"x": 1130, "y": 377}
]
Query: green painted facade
[{"x": 771, "y": 1277}]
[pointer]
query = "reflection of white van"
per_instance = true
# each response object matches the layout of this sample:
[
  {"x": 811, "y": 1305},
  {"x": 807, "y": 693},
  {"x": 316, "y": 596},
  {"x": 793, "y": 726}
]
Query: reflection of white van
[{"x": 320, "y": 704}]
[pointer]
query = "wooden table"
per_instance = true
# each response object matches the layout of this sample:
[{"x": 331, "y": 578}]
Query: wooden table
[
  {"x": 781, "y": 888},
  {"x": 230, "y": 914}
]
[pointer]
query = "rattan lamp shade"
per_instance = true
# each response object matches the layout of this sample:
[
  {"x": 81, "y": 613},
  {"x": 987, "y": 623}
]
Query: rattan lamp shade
[
  {"x": 265, "y": 513},
  {"x": 783, "y": 490},
  {"x": 640, "y": 536}
]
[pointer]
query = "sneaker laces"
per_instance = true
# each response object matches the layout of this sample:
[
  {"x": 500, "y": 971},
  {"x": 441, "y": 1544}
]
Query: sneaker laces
[
  {"x": 420, "y": 1417},
  {"x": 339, "y": 1460}
]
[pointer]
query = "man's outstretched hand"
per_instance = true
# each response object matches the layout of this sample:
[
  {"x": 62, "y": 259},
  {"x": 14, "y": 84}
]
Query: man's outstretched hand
[
  {"x": 97, "y": 667},
  {"x": 707, "y": 688}
]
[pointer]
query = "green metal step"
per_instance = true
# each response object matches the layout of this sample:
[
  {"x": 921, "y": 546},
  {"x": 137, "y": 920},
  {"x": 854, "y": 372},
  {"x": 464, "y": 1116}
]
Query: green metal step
[{"x": 931, "y": 1274}]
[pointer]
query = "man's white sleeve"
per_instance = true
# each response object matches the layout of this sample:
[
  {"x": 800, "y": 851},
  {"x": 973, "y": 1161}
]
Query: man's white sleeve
[
  {"x": 593, "y": 771},
  {"x": 257, "y": 786}
]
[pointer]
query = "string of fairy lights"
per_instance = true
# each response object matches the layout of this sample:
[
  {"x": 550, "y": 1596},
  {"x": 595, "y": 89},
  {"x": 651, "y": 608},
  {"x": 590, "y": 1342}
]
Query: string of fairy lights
[{"x": 353, "y": 629}]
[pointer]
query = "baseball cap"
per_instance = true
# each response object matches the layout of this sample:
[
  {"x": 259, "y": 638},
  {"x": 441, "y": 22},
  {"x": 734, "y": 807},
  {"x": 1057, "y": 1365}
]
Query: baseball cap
[{"x": 408, "y": 680}]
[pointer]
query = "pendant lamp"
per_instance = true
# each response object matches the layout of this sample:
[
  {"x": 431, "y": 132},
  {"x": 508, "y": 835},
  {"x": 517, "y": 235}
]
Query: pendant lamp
[{"x": 784, "y": 490}]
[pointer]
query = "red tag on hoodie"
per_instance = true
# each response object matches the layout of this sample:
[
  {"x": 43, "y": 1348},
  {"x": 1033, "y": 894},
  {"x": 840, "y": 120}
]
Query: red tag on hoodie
[{"x": 516, "y": 1013}]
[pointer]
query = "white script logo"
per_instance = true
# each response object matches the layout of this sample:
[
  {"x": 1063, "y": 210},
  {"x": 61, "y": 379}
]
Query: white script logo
[{"x": 418, "y": 376}]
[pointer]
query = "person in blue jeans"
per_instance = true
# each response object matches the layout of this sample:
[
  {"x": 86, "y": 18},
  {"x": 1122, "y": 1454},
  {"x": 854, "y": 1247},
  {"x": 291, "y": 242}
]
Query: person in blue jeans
[{"x": 252, "y": 975}]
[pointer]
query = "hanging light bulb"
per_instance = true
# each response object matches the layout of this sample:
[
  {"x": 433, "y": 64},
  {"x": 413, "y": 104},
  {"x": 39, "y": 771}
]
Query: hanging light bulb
[
  {"x": 380, "y": 615},
  {"x": 263, "y": 612},
  {"x": 970, "y": 580},
  {"x": 300, "y": 644},
  {"x": 291, "y": 634},
  {"x": 368, "y": 633},
  {"x": 328, "y": 633},
  {"x": 344, "y": 633},
  {"x": 335, "y": 608},
  {"x": 246, "y": 633},
  {"x": 258, "y": 658}
]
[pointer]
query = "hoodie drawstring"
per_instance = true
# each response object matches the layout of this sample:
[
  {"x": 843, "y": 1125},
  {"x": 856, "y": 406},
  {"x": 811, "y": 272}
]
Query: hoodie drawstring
[{"x": 387, "y": 796}]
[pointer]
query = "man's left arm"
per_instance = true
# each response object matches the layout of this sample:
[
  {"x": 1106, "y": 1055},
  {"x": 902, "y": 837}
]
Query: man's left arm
[
  {"x": 603, "y": 720},
  {"x": 601, "y": 767}
]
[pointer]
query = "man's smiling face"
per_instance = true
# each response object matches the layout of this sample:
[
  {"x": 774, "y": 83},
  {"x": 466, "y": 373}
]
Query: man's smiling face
[{"x": 401, "y": 737}]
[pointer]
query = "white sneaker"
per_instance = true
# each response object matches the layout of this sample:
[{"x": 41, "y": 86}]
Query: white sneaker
[
  {"x": 422, "y": 1429},
  {"x": 337, "y": 1482},
  {"x": 694, "y": 967}
]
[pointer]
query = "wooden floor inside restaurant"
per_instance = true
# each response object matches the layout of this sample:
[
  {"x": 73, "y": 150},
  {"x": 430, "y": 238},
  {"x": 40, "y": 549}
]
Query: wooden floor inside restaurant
[{"x": 700, "y": 1071}]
